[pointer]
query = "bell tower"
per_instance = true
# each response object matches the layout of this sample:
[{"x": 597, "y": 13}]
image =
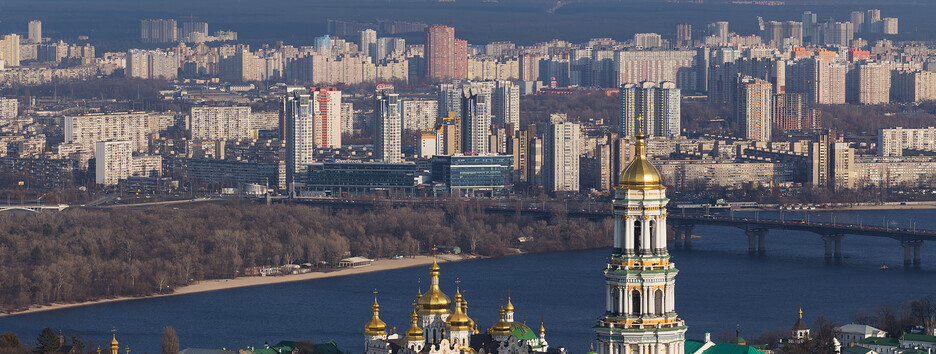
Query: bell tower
[{"x": 640, "y": 314}]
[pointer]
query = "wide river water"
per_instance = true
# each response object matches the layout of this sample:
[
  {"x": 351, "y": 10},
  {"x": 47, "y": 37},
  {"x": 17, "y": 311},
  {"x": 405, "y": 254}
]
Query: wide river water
[{"x": 719, "y": 285}]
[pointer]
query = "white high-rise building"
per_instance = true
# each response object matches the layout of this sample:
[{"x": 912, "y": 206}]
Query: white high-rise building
[
  {"x": 561, "y": 154},
  {"x": 9, "y": 108},
  {"x": 113, "y": 161},
  {"x": 35, "y": 31},
  {"x": 657, "y": 104},
  {"x": 475, "y": 117},
  {"x": 347, "y": 118},
  {"x": 152, "y": 64},
  {"x": 219, "y": 123},
  {"x": 326, "y": 109},
  {"x": 889, "y": 25},
  {"x": 640, "y": 310},
  {"x": 299, "y": 129},
  {"x": 387, "y": 120},
  {"x": 368, "y": 44},
  {"x": 86, "y": 130},
  {"x": 420, "y": 114},
  {"x": 892, "y": 142},
  {"x": 753, "y": 108},
  {"x": 872, "y": 83},
  {"x": 10, "y": 50},
  {"x": 507, "y": 106}
]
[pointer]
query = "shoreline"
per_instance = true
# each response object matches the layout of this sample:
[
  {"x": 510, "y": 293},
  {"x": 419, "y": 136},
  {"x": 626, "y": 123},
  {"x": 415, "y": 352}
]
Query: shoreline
[
  {"x": 896, "y": 206},
  {"x": 248, "y": 281}
]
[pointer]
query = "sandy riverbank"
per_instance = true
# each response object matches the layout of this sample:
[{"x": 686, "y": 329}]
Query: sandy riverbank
[{"x": 223, "y": 284}]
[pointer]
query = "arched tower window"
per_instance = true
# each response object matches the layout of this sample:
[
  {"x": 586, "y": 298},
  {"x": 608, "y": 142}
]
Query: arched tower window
[
  {"x": 637, "y": 236},
  {"x": 635, "y": 302},
  {"x": 658, "y": 301},
  {"x": 653, "y": 240}
]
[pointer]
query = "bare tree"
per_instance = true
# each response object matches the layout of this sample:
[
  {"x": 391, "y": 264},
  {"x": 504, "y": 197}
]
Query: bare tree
[{"x": 170, "y": 342}]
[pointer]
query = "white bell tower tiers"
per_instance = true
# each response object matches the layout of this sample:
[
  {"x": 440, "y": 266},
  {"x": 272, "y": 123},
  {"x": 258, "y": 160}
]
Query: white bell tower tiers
[{"x": 640, "y": 312}]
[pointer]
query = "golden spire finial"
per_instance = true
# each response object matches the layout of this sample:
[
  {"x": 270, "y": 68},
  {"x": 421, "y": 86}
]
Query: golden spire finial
[
  {"x": 542, "y": 327},
  {"x": 510, "y": 306},
  {"x": 639, "y": 134},
  {"x": 801, "y": 312}
]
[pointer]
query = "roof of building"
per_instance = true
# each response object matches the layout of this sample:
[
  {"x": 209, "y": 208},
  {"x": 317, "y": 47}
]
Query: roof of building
[
  {"x": 859, "y": 329},
  {"x": 728, "y": 348},
  {"x": 855, "y": 350},
  {"x": 882, "y": 341},
  {"x": 918, "y": 337},
  {"x": 692, "y": 346},
  {"x": 800, "y": 325},
  {"x": 521, "y": 331},
  {"x": 640, "y": 174}
]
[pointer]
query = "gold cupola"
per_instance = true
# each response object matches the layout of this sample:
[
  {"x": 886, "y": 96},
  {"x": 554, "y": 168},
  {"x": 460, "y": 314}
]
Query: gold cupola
[
  {"x": 115, "y": 346},
  {"x": 375, "y": 327},
  {"x": 464, "y": 308},
  {"x": 501, "y": 328},
  {"x": 458, "y": 321},
  {"x": 640, "y": 174},
  {"x": 434, "y": 301},
  {"x": 414, "y": 333}
]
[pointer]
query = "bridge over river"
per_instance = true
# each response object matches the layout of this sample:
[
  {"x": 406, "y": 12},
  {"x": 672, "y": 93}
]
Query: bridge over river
[{"x": 756, "y": 229}]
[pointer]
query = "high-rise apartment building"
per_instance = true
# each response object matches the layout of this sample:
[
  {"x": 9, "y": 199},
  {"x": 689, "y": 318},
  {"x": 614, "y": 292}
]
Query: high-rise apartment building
[
  {"x": 657, "y": 104},
  {"x": 475, "y": 118},
  {"x": 655, "y": 65},
  {"x": 837, "y": 33},
  {"x": 389, "y": 47},
  {"x": 683, "y": 34},
  {"x": 299, "y": 130},
  {"x": 326, "y": 110},
  {"x": 507, "y": 106},
  {"x": 440, "y": 53},
  {"x": 822, "y": 80},
  {"x": 87, "y": 129},
  {"x": 9, "y": 108},
  {"x": 420, "y": 114},
  {"x": 793, "y": 111},
  {"x": 35, "y": 31},
  {"x": 10, "y": 50},
  {"x": 870, "y": 83},
  {"x": 562, "y": 145},
  {"x": 719, "y": 30},
  {"x": 752, "y": 108},
  {"x": 857, "y": 18},
  {"x": 388, "y": 125},
  {"x": 347, "y": 117},
  {"x": 889, "y": 25},
  {"x": 893, "y": 142},
  {"x": 367, "y": 44},
  {"x": 152, "y": 64},
  {"x": 647, "y": 40},
  {"x": 913, "y": 85},
  {"x": 872, "y": 21},
  {"x": 219, "y": 123},
  {"x": 159, "y": 31},
  {"x": 113, "y": 161},
  {"x": 450, "y": 99},
  {"x": 809, "y": 24},
  {"x": 461, "y": 59},
  {"x": 194, "y": 31}
]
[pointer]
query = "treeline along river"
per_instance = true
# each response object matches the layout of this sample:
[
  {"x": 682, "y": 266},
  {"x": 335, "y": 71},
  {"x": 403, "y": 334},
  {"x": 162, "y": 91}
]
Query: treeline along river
[{"x": 719, "y": 285}]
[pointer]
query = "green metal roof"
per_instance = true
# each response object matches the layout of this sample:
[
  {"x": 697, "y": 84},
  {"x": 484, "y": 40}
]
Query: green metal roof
[
  {"x": 691, "y": 346},
  {"x": 918, "y": 337},
  {"x": 855, "y": 350},
  {"x": 522, "y": 332},
  {"x": 728, "y": 348},
  {"x": 889, "y": 342}
]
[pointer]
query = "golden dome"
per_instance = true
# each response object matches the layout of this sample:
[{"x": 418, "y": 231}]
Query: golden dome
[
  {"x": 640, "y": 174},
  {"x": 414, "y": 333},
  {"x": 464, "y": 308},
  {"x": 434, "y": 301},
  {"x": 501, "y": 328},
  {"x": 458, "y": 321},
  {"x": 509, "y": 308},
  {"x": 375, "y": 327},
  {"x": 542, "y": 328}
]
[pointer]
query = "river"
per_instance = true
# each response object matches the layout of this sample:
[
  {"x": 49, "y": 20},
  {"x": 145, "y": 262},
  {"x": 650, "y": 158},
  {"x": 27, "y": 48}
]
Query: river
[{"x": 719, "y": 286}]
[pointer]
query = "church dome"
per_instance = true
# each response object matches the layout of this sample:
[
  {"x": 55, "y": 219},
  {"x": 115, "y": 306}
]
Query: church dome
[
  {"x": 434, "y": 301},
  {"x": 501, "y": 328},
  {"x": 375, "y": 327},
  {"x": 640, "y": 174},
  {"x": 414, "y": 333},
  {"x": 458, "y": 321}
]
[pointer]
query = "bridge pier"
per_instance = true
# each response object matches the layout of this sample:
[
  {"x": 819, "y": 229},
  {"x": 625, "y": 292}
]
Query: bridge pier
[
  {"x": 915, "y": 246},
  {"x": 756, "y": 237},
  {"x": 837, "y": 239},
  {"x": 683, "y": 235}
]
